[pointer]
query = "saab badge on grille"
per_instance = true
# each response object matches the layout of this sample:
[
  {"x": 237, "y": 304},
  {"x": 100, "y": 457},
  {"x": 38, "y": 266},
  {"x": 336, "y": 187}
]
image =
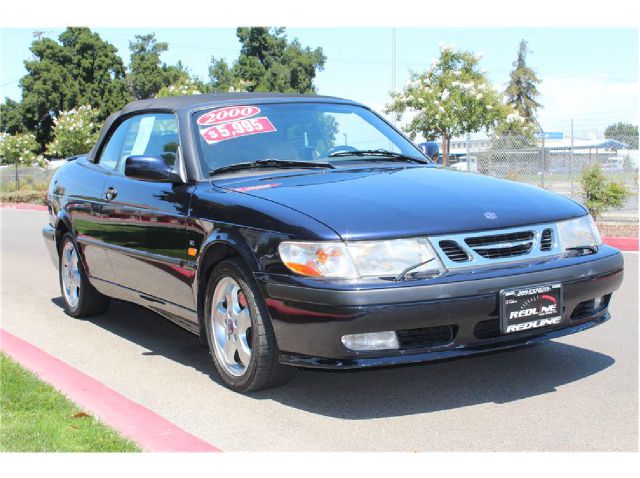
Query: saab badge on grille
[{"x": 490, "y": 215}]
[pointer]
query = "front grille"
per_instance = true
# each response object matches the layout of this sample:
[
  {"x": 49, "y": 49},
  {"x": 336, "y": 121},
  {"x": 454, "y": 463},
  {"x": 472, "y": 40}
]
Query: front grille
[
  {"x": 498, "y": 246},
  {"x": 453, "y": 251},
  {"x": 546, "y": 240},
  {"x": 426, "y": 337},
  {"x": 487, "y": 248},
  {"x": 487, "y": 329}
]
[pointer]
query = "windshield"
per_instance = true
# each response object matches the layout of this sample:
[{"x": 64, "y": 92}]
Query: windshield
[{"x": 320, "y": 132}]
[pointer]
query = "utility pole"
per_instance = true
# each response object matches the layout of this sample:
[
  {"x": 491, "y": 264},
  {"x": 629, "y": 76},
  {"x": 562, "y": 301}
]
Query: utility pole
[
  {"x": 468, "y": 152},
  {"x": 571, "y": 136},
  {"x": 543, "y": 158},
  {"x": 572, "y": 158},
  {"x": 393, "y": 68}
]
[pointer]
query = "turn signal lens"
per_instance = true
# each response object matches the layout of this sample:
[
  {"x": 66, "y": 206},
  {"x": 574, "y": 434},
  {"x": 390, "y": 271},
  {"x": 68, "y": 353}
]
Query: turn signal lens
[{"x": 318, "y": 259}]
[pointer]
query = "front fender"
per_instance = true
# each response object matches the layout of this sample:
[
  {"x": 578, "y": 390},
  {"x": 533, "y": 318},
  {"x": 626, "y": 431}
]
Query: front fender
[
  {"x": 218, "y": 242},
  {"x": 229, "y": 236}
]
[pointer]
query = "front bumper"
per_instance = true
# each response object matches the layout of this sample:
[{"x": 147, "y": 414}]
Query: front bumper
[
  {"x": 49, "y": 234},
  {"x": 455, "y": 315}
]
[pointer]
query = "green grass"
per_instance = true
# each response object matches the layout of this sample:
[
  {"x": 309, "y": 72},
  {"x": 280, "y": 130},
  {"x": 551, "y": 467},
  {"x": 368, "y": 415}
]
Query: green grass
[{"x": 34, "y": 417}]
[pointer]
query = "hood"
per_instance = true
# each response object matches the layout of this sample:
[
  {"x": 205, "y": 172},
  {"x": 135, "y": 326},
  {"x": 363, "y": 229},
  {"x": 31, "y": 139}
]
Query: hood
[{"x": 409, "y": 201}]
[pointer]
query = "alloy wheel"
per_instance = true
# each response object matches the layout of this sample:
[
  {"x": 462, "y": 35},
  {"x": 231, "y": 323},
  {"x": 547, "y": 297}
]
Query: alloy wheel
[
  {"x": 231, "y": 327},
  {"x": 70, "y": 273}
]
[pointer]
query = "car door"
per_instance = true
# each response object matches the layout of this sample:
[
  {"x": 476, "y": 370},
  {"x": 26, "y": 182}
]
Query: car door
[
  {"x": 85, "y": 205},
  {"x": 147, "y": 239}
]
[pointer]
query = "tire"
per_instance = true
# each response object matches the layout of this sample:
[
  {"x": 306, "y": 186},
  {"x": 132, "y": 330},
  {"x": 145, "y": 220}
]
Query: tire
[
  {"x": 241, "y": 339},
  {"x": 80, "y": 298}
]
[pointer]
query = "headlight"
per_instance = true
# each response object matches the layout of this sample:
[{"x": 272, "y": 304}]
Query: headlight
[
  {"x": 579, "y": 232},
  {"x": 353, "y": 260}
]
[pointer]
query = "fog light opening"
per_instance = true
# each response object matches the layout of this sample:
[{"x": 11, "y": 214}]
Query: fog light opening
[
  {"x": 599, "y": 302},
  {"x": 371, "y": 341}
]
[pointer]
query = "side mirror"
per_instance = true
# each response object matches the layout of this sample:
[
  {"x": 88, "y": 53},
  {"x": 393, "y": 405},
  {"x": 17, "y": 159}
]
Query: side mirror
[{"x": 150, "y": 168}]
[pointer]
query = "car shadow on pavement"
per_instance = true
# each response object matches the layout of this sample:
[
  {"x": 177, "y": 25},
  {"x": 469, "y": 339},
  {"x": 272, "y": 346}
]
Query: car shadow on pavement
[
  {"x": 497, "y": 377},
  {"x": 385, "y": 392},
  {"x": 154, "y": 333}
]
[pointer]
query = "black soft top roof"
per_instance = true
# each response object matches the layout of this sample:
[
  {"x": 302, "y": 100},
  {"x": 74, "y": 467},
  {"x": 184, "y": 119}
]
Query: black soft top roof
[
  {"x": 193, "y": 101},
  {"x": 175, "y": 103}
]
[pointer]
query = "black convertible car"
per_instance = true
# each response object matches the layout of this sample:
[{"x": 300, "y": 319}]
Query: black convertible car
[{"x": 306, "y": 231}]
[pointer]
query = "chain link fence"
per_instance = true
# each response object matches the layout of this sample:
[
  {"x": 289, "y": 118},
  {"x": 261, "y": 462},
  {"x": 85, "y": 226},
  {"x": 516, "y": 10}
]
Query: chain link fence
[
  {"x": 33, "y": 182},
  {"x": 555, "y": 164},
  {"x": 27, "y": 175}
]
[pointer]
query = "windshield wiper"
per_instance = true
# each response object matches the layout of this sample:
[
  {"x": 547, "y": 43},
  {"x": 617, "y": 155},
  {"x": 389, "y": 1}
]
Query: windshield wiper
[
  {"x": 403, "y": 275},
  {"x": 382, "y": 153},
  {"x": 271, "y": 163}
]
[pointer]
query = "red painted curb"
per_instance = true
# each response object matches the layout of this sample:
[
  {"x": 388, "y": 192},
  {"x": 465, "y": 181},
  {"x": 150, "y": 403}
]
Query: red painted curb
[
  {"x": 24, "y": 205},
  {"x": 148, "y": 429},
  {"x": 622, "y": 243}
]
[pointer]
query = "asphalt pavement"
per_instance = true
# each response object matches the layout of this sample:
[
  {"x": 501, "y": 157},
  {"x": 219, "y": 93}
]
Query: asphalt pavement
[{"x": 578, "y": 393}]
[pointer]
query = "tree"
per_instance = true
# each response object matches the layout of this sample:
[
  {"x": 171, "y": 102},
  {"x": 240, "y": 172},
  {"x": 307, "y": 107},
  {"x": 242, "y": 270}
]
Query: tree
[
  {"x": 75, "y": 132},
  {"x": 522, "y": 90},
  {"x": 11, "y": 117},
  {"x": 623, "y": 132},
  {"x": 79, "y": 69},
  {"x": 268, "y": 62},
  {"x": 514, "y": 130},
  {"x": 601, "y": 194},
  {"x": 451, "y": 98},
  {"x": 20, "y": 150},
  {"x": 185, "y": 86},
  {"x": 148, "y": 74},
  {"x": 223, "y": 79}
]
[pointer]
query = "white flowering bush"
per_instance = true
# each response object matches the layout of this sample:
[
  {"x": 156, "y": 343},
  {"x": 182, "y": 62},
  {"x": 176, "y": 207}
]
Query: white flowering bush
[
  {"x": 74, "y": 132},
  {"x": 186, "y": 86},
  {"x": 515, "y": 125},
  {"x": 20, "y": 150},
  {"x": 453, "y": 97}
]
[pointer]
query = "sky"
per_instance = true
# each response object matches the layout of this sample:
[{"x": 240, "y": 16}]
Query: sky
[{"x": 589, "y": 75}]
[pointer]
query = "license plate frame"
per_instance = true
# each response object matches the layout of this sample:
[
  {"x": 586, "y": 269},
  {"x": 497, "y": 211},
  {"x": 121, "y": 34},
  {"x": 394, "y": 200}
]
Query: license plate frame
[{"x": 531, "y": 307}]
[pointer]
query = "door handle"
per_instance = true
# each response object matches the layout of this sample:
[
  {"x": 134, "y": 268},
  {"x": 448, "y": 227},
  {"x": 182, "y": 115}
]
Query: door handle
[{"x": 110, "y": 193}]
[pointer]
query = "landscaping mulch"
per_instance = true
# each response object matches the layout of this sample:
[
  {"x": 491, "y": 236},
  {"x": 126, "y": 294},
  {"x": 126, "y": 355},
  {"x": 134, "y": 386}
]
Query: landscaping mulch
[{"x": 618, "y": 229}]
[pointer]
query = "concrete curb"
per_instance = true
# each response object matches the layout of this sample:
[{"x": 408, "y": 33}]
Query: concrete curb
[
  {"x": 622, "y": 243},
  {"x": 148, "y": 429}
]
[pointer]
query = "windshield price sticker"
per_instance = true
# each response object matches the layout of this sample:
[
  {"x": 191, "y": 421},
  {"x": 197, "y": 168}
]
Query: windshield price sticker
[
  {"x": 237, "y": 129},
  {"x": 230, "y": 113}
]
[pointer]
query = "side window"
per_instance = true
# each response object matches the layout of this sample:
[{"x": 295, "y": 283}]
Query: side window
[
  {"x": 150, "y": 135},
  {"x": 110, "y": 154}
]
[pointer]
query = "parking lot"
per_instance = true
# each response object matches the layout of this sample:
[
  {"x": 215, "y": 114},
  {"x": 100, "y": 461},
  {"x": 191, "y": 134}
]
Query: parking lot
[{"x": 577, "y": 393}]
